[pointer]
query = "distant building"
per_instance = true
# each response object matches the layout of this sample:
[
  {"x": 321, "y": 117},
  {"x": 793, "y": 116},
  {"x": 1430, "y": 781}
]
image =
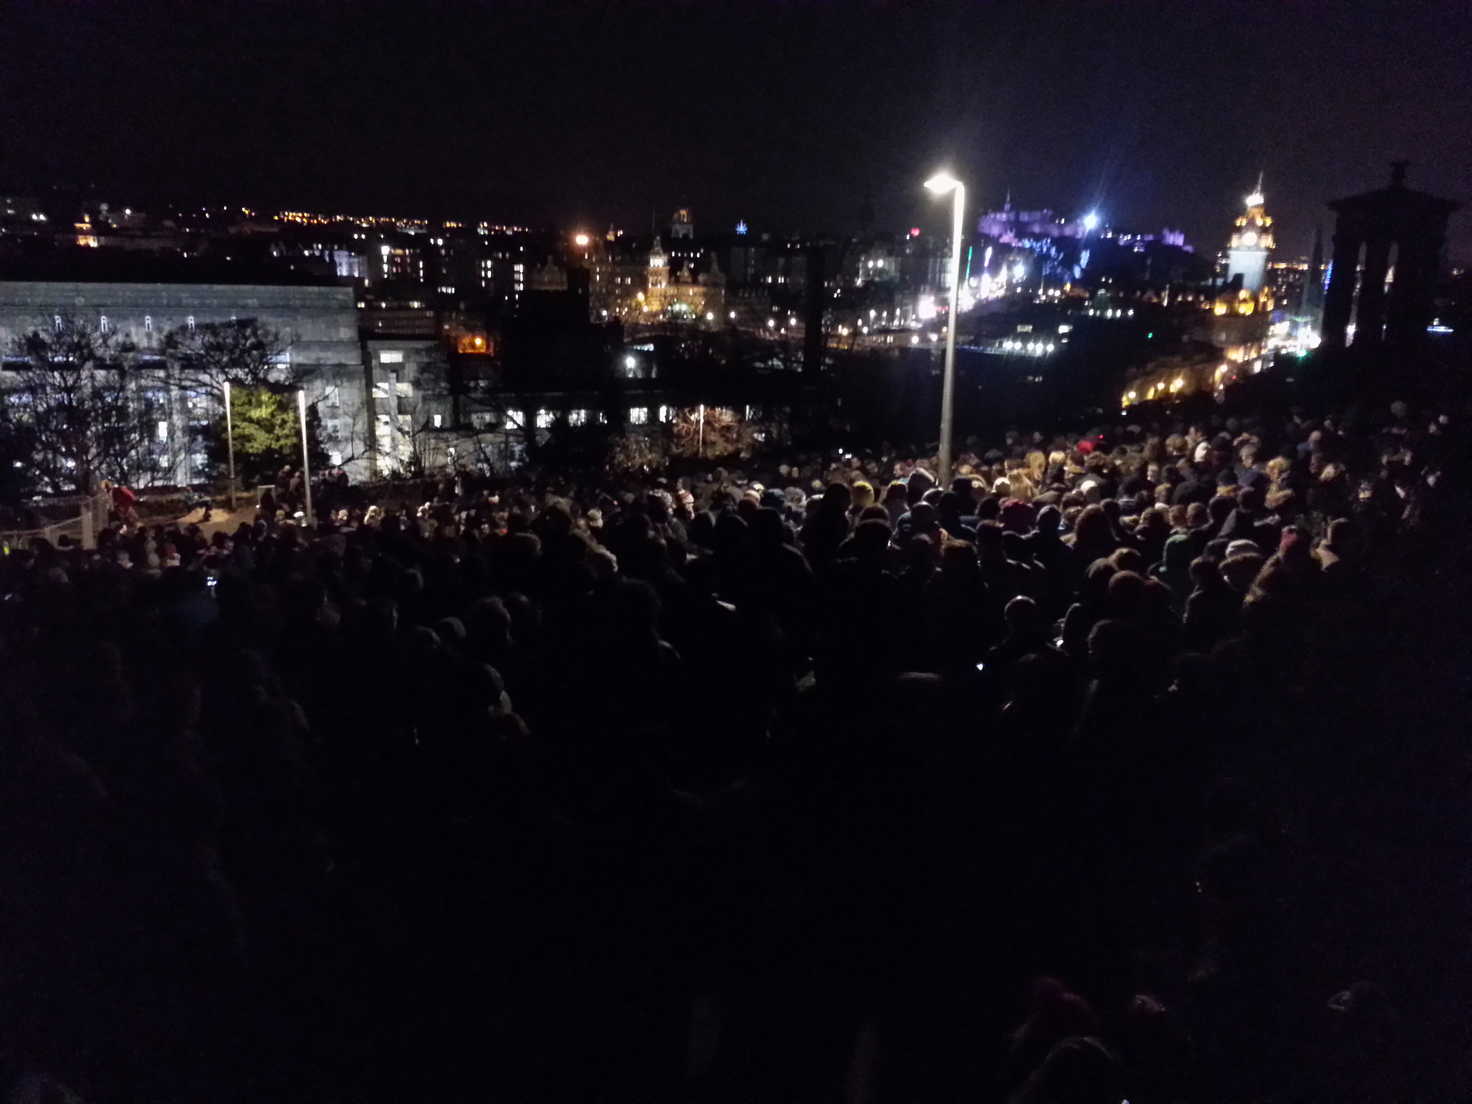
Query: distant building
[
  {"x": 319, "y": 325},
  {"x": 1252, "y": 241},
  {"x": 682, "y": 225},
  {"x": 1387, "y": 252},
  {"x": 1287, "y": 280},
  {"x": 548, "y": 277},
  {"x": 410, "y": 407},
  {"x": 681, "y": 284},
  {"x": 1013, "y": 227},
  {"x": 1010, "y": 226}
]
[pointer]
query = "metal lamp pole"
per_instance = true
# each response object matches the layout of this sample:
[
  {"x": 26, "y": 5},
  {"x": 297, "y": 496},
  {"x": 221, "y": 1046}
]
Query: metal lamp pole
[
  {"x": 940, "y": 184},
  {"x": 301, "y": 406},
  {"x": 230, "y": 444}
]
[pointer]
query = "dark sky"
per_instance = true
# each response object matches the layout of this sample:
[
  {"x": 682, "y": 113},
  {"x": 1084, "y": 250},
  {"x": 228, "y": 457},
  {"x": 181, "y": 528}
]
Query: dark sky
[{"x": 785, "y": 114}]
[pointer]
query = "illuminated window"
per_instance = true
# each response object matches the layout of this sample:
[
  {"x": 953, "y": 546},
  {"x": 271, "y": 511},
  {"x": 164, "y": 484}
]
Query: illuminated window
[
  {"x": 514, "y": 418},
  {"x": 391, "y": 356},
  {"x": 103, "y": 324},
  {"x": 666, "y": 413},
  {"x": 56, "y": 322},
  {"x": 545, "y": 419},
  {"x": 438, "y": 420},
  {"x": 190, "y": 323},
  {"x": 577, "y": 417},
  {"x": 638, "y": 415},
  {"x": 148, "y": 323},
  {"x": 163, "y": 429}
]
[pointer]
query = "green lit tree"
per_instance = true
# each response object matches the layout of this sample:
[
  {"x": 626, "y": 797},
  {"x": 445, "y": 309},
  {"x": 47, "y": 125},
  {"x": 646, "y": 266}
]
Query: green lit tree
[{"x": 267, "y": 436}]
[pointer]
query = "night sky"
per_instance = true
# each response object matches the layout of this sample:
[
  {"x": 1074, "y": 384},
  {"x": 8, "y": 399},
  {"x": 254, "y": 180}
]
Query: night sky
[{"x": 786, "y": 115}]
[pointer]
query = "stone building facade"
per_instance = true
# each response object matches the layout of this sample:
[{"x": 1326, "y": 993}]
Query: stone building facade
[{"x": 318, "y": 324}]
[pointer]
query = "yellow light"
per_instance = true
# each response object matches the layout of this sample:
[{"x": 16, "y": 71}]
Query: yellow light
[{"x": 581, "y": 240}]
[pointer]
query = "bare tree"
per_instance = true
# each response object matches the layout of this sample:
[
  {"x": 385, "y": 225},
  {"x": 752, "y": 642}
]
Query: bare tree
[
  {"x": 77, "y": 390},
  {"x": 202, "y": 359}
]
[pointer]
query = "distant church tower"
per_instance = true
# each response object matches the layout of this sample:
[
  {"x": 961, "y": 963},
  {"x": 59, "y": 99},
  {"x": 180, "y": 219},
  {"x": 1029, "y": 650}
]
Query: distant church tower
[
  {"x": 1247, "y": 255},
  {"x": 682, "y": 225},
  {"x": 659, "y": 270}
]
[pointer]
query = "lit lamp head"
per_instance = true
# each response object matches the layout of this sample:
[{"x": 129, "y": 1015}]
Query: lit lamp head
[
  {"x": 942, "y": 183},
  {"x": 581, "y": 240},
  {"x": 1091, "y": 221}
]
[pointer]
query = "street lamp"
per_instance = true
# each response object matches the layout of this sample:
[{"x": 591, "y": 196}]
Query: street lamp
[
  {"x": 230, "y": 444},
  {"x": 301, "y": 408},
  {"x": 940, "y": 184}
]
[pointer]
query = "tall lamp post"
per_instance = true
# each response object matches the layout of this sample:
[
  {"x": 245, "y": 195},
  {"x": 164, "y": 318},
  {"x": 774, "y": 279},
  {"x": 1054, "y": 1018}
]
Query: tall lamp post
[
  {"x": 230, "y": 444},
  {"x": 940, "y": 184},
  {"x": 301, "y": 407}
]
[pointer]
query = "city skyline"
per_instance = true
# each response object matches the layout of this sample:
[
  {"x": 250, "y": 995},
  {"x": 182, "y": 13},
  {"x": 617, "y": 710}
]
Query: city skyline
[{"x": 786, "y": 116}]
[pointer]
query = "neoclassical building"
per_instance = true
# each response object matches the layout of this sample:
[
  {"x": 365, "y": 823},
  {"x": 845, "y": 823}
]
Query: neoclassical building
[
  {"x": 318, "y": 323},
  {"x": 1388, "y": 247},
  {"x": 675, "y": 293}
]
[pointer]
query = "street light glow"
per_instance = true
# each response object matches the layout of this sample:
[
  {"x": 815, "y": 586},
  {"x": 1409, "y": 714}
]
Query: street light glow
[
  {"x": 1091, "y": 221},
  {"x": 942, "y": 182},
  {"x": 945, "y": 183},
  {"x": 582, "y": 240}
]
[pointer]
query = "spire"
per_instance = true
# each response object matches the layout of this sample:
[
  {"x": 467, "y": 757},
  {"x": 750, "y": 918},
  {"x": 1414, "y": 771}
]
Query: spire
[{"x": 1256, "y": 198}]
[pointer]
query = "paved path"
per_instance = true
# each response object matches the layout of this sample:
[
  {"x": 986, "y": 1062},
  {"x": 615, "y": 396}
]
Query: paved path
[{"x": 221, "y": 519}]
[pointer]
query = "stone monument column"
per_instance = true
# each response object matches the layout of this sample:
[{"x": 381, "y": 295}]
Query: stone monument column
[
  {"x": 1369, "y": 317},
  {"x": 1339, "y": 298}
]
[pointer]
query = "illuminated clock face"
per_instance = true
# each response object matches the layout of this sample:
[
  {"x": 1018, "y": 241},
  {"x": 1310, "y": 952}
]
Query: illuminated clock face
[{"x": 1249, "y": 238}]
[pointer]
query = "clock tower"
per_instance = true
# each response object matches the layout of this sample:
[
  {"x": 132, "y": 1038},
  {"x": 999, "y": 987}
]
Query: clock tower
[{"x": 1247, "y": 255}]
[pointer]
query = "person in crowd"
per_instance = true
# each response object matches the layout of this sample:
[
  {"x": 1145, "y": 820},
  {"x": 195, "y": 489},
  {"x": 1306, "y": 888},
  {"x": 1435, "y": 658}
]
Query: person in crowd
[{"x": 624, "y": 762}]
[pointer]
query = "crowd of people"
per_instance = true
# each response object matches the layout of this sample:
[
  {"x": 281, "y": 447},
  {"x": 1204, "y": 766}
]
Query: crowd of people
[{"x": 1089, "y": 775}]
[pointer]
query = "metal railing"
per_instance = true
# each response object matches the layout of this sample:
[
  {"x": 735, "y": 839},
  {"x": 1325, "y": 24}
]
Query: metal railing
[{"x": 91, "y": 519}]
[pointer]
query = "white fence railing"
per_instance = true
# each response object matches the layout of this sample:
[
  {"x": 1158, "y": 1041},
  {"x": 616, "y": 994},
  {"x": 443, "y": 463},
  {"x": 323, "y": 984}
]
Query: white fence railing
[{"x": 89, "y": 520}]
